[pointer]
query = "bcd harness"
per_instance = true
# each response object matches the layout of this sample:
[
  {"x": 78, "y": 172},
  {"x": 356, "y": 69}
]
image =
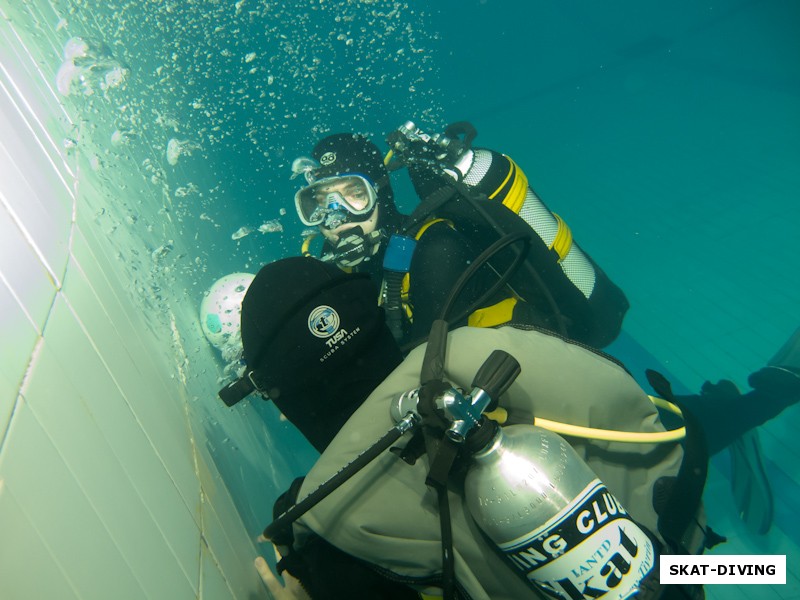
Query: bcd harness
[
  {"x": 502, "y": 311},
  {"x": 512, "y": 193}
]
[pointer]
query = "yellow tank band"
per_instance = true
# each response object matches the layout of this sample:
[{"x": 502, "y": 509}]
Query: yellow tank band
[
  {"x": 515, "y": 197},
  {"x": 562, "y": 243},
  {"x": 494, "y": 315},
  {"x": 514, "y": 188},
  {"x": 388, "y": 158}
]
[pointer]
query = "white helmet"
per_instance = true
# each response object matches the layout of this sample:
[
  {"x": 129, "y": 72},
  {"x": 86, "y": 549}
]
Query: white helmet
[{"x": 221, "y": 310}]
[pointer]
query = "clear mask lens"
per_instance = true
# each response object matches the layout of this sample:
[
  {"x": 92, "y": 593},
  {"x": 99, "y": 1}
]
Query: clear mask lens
[{"x": 349, "y": 194}]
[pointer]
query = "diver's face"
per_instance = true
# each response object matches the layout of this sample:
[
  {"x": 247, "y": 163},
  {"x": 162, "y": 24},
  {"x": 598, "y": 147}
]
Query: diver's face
[
  {"x": 369, "y": 225},
  {"x": 352, "y": 191}
]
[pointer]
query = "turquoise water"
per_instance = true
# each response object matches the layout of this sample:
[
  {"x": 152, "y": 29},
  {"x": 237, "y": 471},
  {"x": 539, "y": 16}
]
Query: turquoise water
[{"x": 667, "y": 135}]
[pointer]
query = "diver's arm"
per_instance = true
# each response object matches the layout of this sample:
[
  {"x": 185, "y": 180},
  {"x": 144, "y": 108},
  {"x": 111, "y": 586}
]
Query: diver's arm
[{"x": 442, "y": 255}]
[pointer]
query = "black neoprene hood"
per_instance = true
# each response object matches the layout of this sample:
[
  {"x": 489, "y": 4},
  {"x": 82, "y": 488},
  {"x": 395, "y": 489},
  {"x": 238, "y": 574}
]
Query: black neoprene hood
[{"x": 302, "y": 320}]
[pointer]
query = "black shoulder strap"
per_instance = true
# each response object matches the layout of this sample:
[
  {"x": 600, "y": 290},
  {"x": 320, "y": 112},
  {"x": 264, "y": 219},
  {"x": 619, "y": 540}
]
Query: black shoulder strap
[{"x": 427, "y": 207}]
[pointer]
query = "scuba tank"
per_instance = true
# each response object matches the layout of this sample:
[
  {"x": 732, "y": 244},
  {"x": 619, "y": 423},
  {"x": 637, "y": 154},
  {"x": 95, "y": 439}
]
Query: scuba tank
[
  {"x": 489, "y": 198},
  {"x": 553, "y": 519},
  {"x": 526, "y": 488}
]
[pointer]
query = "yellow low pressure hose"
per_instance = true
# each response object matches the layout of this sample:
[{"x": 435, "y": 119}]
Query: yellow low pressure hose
[
  {"x": 306, "y": 244},
  {"x": 634, "y": 437}
]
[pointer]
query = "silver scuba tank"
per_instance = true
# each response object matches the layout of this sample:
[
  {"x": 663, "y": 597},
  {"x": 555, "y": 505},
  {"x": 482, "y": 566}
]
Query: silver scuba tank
[{"x": 554, "y": 520}]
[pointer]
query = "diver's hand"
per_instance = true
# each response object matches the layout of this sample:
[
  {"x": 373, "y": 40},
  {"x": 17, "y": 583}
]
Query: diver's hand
[{"x": 289, "y": 590}]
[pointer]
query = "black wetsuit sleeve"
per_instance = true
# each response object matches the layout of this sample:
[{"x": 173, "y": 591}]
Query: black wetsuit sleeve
[{"x": 441, "y": 256}]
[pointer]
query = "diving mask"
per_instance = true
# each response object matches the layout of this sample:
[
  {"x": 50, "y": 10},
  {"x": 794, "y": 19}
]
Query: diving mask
[{"x": 331, "y": 201}]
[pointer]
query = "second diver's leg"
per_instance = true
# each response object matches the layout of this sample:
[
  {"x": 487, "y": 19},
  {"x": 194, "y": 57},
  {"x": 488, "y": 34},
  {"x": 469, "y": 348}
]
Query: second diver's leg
[
  {"x": 726, "y": 414},
  {"x": 730, "y": 418}
]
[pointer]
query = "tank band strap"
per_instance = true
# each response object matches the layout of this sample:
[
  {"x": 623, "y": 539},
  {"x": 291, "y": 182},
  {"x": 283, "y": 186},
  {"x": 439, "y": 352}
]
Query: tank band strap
[
  {"x": 514, "y": 188},
  {"x": 562, "y": 243}
]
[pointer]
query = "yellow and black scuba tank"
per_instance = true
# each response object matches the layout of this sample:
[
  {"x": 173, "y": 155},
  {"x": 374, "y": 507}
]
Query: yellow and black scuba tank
[{"x": 485, "y": 196}]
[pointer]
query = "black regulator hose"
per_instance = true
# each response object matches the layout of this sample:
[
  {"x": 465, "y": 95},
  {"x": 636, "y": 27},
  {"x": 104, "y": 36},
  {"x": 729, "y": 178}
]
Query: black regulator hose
[
  {"x": 432, "y": 374},
  {"x": 362, "y": 460},
  {"x": 443, "y": 196},
  {"x": 479, "y": 261},
  {"x": 543, "y": 287}
]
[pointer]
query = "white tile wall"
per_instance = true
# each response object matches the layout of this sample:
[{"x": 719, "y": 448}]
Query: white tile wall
[
  {"x": 19, "y": 579},
  {"x": 26, "y": 279},
  {"x": 213, "y": 585},
  {"x": 14, "y": 325},
  {"x": 64, "y": 517},
  {"x": 108, "y": 452},
  {"x": 107, "y": 489}
]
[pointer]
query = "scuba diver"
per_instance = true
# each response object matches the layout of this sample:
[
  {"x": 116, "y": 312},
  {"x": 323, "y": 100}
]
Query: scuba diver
[
  {"x": 471, "y": 198},
  {"x": 323, "y": 353}
]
